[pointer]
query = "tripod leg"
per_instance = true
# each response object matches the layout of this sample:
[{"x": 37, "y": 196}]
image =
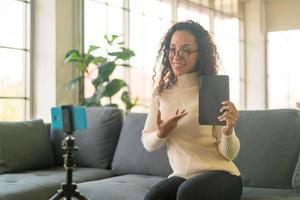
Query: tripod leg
[
  {"x": 79, "y": 196},
  {"x": 57, "y": 196}
]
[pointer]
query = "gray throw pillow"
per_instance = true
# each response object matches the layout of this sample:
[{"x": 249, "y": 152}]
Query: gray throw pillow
[
  {"x": 98, "y": 142},
  {"x": 270, "y": 145},
  {"x": 131, "y": 157},
  {"x": 24, "y": 146}
]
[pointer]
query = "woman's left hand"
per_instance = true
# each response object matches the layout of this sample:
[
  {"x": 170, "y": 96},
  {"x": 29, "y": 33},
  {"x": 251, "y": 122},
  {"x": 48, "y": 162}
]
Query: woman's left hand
[{"x": 230, "y": 115}]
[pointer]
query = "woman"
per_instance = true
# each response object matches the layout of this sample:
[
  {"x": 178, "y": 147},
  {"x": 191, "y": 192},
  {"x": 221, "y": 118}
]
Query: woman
[{"x": 200, "y": 156}]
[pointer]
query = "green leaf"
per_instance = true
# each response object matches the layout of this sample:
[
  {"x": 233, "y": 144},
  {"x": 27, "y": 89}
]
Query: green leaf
[
  {"x": 99, "y": 60},
  {"x": 93, "y": 101},
  {"x": 126, "y": 100},
  {"x": 92, "y": 48},
  {"x": 71, "y": 84},
  {"x": 82, "y": 67},
  {"x": 106, "y": 70},
  {"x": 113, "y": 87},
  {"x": 125, "y": 54},
  {"x": 73, "y": 56},
  {"x": 88, "y": 58},
  {"x": 111, "y": 39},
  {"x": 97, "y": 81},
  {"x": 99, "y": 91}
]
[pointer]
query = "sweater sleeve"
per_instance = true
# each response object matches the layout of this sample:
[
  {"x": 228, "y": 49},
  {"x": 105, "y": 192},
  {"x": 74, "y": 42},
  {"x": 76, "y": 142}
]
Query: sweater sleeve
[
  {"x": 228, "y": 145},
  {"x": 149, "y": 137}
]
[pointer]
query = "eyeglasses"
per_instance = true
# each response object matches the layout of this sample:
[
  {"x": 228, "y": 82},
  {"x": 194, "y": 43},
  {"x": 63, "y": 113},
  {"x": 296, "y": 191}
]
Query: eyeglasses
[{"x": 182, "y": 53}]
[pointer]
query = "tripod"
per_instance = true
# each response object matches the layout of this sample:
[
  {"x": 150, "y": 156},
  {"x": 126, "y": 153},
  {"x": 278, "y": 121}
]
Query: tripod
[{"x": 68, "y": 189}]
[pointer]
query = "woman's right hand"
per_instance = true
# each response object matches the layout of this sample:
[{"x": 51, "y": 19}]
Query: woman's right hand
[{"x": 166, "y": 127}]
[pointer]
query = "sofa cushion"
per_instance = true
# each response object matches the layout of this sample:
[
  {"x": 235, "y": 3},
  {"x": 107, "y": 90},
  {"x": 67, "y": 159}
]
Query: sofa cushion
[
  {"x": 126, "y": 187},
  {"x": 98, "y": 142},
  {"x": 270, "y": 145},
  {"x": 258, "y": 193},
  {"x": 131, "y": 157},
  {"x": 42, "y": 184},
  {"x": 24, "y": 145}
]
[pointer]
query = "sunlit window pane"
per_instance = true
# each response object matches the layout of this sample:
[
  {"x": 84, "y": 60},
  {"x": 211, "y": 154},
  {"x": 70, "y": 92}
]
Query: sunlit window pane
[
  {"x": 166, "y": 10},
  {"x": 185, "y": 13},
  {"x": 12, "y": 23},
  {"x": 283, "y": 69},
  {"x": 277, "y": 91},
  {"x": 136, "y": 5},
  {"x": 152, "y": 41},
  {"x": 115, "y": 21},
  {"x": 14, "y": 60},
  {"x": 145, "y": 43},
  {"x": 227, "y": 41},
  {"x": 118, "y": 3},
  {"x": 12, "y": 72},
  {"x": 12, "y": 109},
  {"x": 151, "y": 7},
  {"x": 95, "y": 23},
  {"x": 137, "y": 38},
  {"x": 278, "y": 49},
  {"x": 293, "y": 46}
]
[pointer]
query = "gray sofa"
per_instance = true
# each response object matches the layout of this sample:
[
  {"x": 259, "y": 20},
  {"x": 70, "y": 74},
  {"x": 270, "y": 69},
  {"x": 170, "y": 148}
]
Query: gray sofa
[{"x": 113, "y": 165}]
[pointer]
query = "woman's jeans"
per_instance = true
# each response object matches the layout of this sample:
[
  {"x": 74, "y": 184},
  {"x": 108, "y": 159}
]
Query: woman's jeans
[{"x": 214, "y": 185}]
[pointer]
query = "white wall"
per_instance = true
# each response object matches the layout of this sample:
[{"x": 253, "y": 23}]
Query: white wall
[
  {"x": 283, "y": 15},
  {"x": 54, "y": 34}
]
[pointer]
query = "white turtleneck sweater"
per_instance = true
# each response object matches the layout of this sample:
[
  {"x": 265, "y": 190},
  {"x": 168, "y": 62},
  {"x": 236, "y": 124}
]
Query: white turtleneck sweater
[{"x": 193, "y": 149}]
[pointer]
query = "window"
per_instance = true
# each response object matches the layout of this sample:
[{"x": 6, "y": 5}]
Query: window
[
  {"x": 149, "y": 20},
  {"x": 101, "y": 17},
  {"x": 14, "y": 60},
  {"x": 283, "y": 69},
  {"x": 144, "y": 22},
  {"x": 194, "y": 11},
  {"x": 227, "y": 40},
  {"x": 136, "y": 21}
]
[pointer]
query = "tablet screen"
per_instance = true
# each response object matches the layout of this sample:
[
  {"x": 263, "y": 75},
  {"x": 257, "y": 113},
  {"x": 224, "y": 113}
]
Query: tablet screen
[{"x": 213, "y": 90}]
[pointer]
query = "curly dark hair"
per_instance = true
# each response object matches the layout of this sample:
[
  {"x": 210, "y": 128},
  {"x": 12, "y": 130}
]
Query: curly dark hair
[{"x": 207, "y": 63}]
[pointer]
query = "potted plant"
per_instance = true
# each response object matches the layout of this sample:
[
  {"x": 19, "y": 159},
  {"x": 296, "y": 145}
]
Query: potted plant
[{"x": 116, "y": 55}]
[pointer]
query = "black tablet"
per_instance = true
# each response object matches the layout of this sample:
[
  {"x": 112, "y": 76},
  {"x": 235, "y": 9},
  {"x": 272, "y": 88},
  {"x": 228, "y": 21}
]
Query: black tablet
[{"x": 213, "y": 90}]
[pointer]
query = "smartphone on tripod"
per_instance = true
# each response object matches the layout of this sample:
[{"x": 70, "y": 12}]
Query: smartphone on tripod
[
  {"x": 68, "y": 118},
  {"x": 61, "y": 120}
]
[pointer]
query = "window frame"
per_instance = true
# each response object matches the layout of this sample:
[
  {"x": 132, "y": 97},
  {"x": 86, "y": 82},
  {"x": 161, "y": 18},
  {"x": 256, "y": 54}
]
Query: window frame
[{"x": 26, "y": 97}]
